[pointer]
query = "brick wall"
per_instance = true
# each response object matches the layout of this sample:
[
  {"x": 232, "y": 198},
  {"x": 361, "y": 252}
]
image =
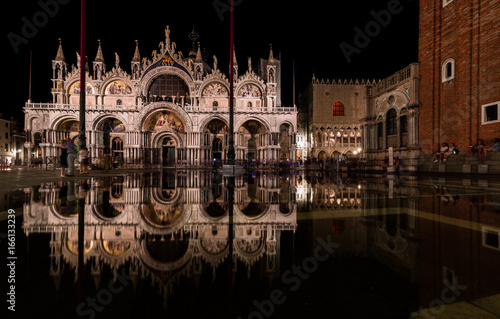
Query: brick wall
[
  {"x": 466, "y": 31},
  {"x": 325, "y": 95}
]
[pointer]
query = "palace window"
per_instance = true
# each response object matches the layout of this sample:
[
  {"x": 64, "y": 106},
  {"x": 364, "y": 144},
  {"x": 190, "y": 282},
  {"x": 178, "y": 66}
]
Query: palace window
[
  {"x": 392, "y": 124},
  {"x": 448, "y": 70},
  {"x": 403, "y": 122},
  {"x": 490, "y": 113},
  {"x": 338, "y": 109}
]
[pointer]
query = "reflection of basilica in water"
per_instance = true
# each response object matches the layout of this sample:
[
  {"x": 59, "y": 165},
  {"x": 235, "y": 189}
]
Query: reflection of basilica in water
[
  {"x": 169, "y": 228},
  {"x": 163, "y": 226}
]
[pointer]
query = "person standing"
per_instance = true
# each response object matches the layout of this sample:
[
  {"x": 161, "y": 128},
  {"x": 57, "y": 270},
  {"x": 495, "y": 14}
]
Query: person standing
[
  {"x": 71, "y": 157},
  {"x": 63, "y": 159}
]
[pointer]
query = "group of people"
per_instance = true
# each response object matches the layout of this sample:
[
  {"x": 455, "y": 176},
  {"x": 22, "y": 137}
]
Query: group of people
[
  {"x": 483, "y": 150},
  {"x": 444, "y": 152},
  {"x": 68, "y": 155}
]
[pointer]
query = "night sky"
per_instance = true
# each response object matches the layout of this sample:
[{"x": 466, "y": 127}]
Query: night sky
[{"x": 310, "y": 32}]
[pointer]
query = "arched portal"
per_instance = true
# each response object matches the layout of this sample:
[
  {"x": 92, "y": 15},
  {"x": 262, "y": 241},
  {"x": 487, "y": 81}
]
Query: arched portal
[
  {"x": 110, "y": 135},
  {"x": 252, "y": 133},
  {"x": 216, "y": 132}
]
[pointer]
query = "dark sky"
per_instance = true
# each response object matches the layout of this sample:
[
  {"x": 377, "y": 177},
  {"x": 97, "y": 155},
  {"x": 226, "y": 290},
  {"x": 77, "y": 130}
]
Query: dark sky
[{"x": 310, "y": 32}]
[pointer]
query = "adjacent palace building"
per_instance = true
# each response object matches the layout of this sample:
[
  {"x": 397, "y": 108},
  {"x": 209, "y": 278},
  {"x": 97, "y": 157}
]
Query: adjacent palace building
[{"x": 170, "y": 110}]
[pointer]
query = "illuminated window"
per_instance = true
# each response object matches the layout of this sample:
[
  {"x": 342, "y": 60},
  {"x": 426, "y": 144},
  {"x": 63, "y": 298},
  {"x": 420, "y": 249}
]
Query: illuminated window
[{"x": 338, "y": 109}]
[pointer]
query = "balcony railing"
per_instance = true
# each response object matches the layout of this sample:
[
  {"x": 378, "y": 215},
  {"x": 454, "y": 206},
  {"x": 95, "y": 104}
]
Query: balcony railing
[
  {"x": 225, "y": 109},
  {"x": 89, "y": 107},
  {"x": 393, "y": 80},
  {"x": 187, "y": 108}
]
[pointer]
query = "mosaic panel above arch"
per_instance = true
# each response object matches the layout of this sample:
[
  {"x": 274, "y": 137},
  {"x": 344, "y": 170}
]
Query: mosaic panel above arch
[
  {"x": 118, "y": 87},
  {"x": 249, "y": 246},
  {"x": 116, "y": 248},
  {"x": 164, "y": 120},
  {"x": 75, "y": 88},
  {"x": 111, "y": 125},
  {"x": 163, "y": 214},
  {"x": 69, "y": 125},
  {"x": 216, "y": 126},
  {"x": 252, "y": 127},
  {"x": 249, "y": 90},
  {"x": 215, "y": 89}
]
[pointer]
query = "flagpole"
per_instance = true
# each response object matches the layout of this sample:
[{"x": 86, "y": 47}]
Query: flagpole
[
  {"x": 231, "y": 153},
  {"x": 81, "y": 137},
  {"x": 31, "y": 68}
]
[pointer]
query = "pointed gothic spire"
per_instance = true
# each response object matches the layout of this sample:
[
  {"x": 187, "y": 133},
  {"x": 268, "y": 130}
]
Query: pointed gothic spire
[
  {"x": 198, "y": 54},
  {"x": 60, "y": 54},
  {"x": 271, "y": 56},
  {"x": 234, "y": 57},
  {"x": 137, "y": 56},
  {"x": 99, "y": 56}
]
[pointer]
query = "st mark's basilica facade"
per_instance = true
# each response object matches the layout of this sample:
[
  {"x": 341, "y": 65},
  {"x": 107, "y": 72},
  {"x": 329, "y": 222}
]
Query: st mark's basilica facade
[{"x": 170, "y": 110}]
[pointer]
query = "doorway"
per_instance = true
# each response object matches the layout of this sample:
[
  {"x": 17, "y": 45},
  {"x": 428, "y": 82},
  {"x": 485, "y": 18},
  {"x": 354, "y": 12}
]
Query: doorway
[{"x": 168, "y": 152}]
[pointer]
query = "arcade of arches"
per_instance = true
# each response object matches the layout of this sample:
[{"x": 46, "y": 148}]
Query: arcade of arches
[{"x": 170, "y": 111}]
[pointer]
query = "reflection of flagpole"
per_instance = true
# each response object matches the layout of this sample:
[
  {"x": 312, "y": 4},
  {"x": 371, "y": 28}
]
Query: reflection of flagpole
[
  {"x": 231, "y": 161},
  {"x": 231, "y": 153}
]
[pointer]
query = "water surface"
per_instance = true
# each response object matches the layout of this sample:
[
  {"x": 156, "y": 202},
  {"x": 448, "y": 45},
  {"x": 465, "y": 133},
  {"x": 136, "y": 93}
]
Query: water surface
[{"x": 195, "y": 244}]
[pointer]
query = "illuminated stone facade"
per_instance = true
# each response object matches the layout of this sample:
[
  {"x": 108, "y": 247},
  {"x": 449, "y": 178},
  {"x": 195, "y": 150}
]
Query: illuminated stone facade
[{"x": 170, "y": 110}]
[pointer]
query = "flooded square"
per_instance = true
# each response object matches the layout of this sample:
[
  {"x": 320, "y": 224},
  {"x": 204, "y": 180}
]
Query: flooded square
[{"x": 187, "y": 244}]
